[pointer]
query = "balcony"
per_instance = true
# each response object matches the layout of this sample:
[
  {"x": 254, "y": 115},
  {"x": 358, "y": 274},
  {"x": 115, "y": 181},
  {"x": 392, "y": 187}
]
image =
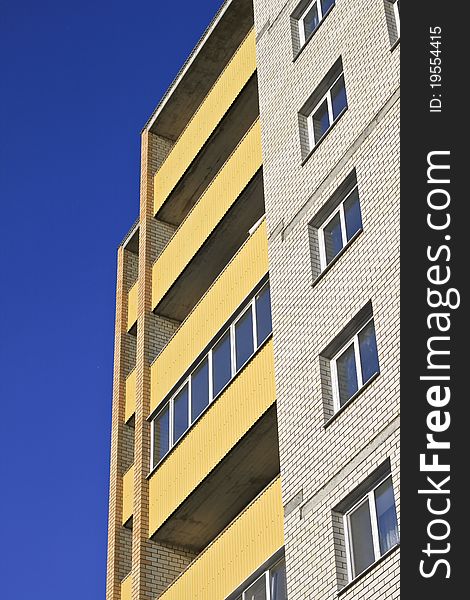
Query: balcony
[
  {"x": 132, "y": 306},
  {"x": 219, "y": 303},
  {"x": 222, "y": 95},
  {"x": 127, "y": 496},
  {"x": 130, "y": 397},
  {"x": 249, "y": 541},
  {"x": 126, "y": 588},
  {"x": 236, "y": 435},
  {"x": 230, "y": 184}
]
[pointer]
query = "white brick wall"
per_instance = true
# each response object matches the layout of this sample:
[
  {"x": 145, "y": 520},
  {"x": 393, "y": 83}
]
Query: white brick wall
[{"x": 322, "y": 465}]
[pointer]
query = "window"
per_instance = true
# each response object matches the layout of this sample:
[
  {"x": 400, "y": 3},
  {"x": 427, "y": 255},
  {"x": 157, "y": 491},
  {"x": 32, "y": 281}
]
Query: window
[
  {"x": 340, "y": 227},
  {"x": 230, "y": 352},
  {"x": 322, "y": 109},
  {"x": 308, "y": 17},
  {"x": 354, "y": 365},
  {"x": 392, "y": 15},
  {"x": 270, "y": 586},
  {"x": 371, "y": 527}
]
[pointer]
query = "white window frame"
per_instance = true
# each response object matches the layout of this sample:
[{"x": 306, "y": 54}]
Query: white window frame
[
  {"x": 250, "y": 306},
  {"x": 300, "y": 21},
  {"x": 311, "y": 130},
  {"x": 396, "y": 12},
  {"x": 357, "y": 355},
  {"x": 370, "y": 498},
  {"x": 267, "y": 578},
  {"x": 344, "y": 235}
]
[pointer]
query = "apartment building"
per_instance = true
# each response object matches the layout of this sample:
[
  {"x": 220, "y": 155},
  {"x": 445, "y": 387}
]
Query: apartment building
[{"x": 255, "y": 410}]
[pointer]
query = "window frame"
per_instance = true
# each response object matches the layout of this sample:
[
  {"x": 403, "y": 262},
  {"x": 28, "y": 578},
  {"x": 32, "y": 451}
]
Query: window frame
[
  {"x": 303, "y": 39},
  {"x": 329, "y": 102},
  {"x": 396, "y": 14},
  {"x": 344, "y": 235},
  {"x": 368, "y": 497},
  {"x": 250, "y": 305},
  {"x": 357, "y": 356},
  {"x": 267, "y": 577}
]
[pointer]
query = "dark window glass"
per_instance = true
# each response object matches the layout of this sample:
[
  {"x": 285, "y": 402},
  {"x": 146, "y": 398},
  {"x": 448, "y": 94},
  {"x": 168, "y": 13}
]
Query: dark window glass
[
  {"x": 199, "y": 389},
  {"x": 221, "y": 364},
  {"x": 347, "y": 376},
  {"x": 263, "y": 315},
  {"x": 321, "y": 121},
  {"x": 326, "y": 5},
  {"x": 180, "y": 414},
  {"x": 352, "y": 215},
  {"x": 361, "y": 538},
  {"x": 244, "y": 338},
  {"x": 368, "y": 352},
  {"x": 338, "y": 97},
  {"x": 278, "y": 583},
  {"x": 257, "y": 591},
  {"x": 310, "y": 21},
  {"x": 333, "y": 239},
  {"x": 161, "y": 435},
  {"x": 386, "y": 516}
]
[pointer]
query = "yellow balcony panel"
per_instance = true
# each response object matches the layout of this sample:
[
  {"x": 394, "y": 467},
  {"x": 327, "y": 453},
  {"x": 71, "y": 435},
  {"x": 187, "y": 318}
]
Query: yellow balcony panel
[
  {"x": 249, "y": 541},
  {"x": 130, "y": 396},
  {"x": 126, "y": 588},
  {"x": 127, "y": 495},
  {"x": 223, "y": 93},
  {"x": 132, "y": 306},
  {"x": 224, "y": 190},
  {"x": 222, "y": 299},
  {"x": 203, "y": 486}
]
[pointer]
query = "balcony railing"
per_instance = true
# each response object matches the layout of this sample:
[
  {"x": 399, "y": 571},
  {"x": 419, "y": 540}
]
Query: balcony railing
[
  {"x": 132, "y": 306},
  {"x": 130, "y": 396},
  {"x": 126, "y": 588},
  {"x": 248, "y": 542},
  {"x": 222, "y": 299},
  {"x": 225, "y": 90},
  {"x": 127, "y": 495},
  {"x": 221, "y": 194}
]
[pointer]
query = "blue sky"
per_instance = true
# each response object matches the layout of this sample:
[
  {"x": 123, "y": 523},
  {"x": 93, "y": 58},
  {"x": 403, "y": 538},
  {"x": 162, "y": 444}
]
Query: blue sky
[{"x": 77, "y": 82}]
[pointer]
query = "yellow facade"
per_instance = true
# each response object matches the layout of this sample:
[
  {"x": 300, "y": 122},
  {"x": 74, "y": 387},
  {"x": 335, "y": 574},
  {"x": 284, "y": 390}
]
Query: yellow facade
[
  {"x": 244, "y": 401},
  {"x": 227, "y": 87},
  {"x": 222, "y": 299},
  {"x": 251, "y": 539},
  {"x": 126, "y": 588},
  {"x": 221, "y": 194},
  {"x": 128, "y": 495}
]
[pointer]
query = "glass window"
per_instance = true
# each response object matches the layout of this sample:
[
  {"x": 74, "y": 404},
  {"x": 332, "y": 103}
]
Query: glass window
[
  {"x": 277, "y": 582},
  {"x": 326, "y": 5},
  {"x": 346, "y": 373},
  {"x": 221, "y": 364},
  {"x": 352, "y": 214},
  {"x": 311, "y": 18},
  {"x": 361, "y": 538},
  {"x": 338, "y": 98},
  {"x": 199, "y": 389},
  {"x": 180, "y": 413},
  {"x": 321, "y": 121},
  {"x": 386, "y": 516},
  {"x": 244, "y": 338},
  {"x": 368, "y": 351},
  {"x": 264, "y": 324},
  {"x": 310, "y": 21},
  {"x": 161, "y": 434},
  {"x": 333, "y": 238},
  {"x": 257, "y": 591}
]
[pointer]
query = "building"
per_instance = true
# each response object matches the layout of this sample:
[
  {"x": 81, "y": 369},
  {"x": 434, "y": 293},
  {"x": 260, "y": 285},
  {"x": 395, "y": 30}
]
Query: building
[{"x": 256, "y": 400}]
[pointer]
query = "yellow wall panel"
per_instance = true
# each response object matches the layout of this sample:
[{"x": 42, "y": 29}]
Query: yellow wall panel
[
  {"x": 253, "y": 537},
  {"x": 130, "y": 396},
  {"x": 227, "y": 87},
  {"x": 223, "y": 424},
  {"x": 127, "y": 495},
  {"x": 225, "y": 295},
  {"x": 132, "y": 306},
  {"x": 225, "y": 188},
  {"x": 126, "y": 588}
]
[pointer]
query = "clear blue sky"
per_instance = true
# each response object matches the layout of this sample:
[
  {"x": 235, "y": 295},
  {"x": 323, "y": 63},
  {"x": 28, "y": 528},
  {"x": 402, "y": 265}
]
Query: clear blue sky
[{"x": 77, "y": 83}]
